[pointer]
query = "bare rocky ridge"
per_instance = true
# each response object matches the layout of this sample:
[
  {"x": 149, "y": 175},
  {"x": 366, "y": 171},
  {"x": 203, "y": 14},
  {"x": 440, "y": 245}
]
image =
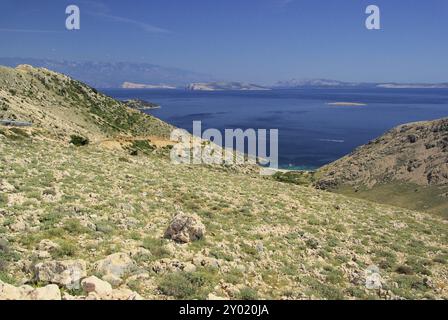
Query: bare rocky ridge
[
  {"x": 92, "y": 221},
  {"x": 415, "y": 153},
  {"x": 407, "y": 166}
]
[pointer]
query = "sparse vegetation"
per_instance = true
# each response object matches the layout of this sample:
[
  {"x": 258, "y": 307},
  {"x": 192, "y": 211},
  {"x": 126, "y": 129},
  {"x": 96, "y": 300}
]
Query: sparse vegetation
[
  {"x": 184, "y": 285},
  {"x": 264, "y": 238}
]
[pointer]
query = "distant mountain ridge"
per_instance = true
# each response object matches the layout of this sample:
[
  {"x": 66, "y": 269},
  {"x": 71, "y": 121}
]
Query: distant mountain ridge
[
  {"x": 413, "y": 85},
  {"x": 113, "y": 74},
  {"x": 328, "y": 83},
  {"x": 132, "y": 85},
  {"x": 220, "y": 86},
  {"x": 294, "y": 83},
  {"x": 131, "y": 75}
]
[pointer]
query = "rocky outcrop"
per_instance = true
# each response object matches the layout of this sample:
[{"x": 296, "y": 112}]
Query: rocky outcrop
[
  {"x": 185, "y": 228},
  {"x": 413, "y": 153},
  {"x": 65, "y": 273}
]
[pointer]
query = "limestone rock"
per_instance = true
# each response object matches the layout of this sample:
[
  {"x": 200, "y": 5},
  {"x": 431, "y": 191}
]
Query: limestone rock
[
  {"x": 201, "y": 261},
  {"x": 47, "y": 245},
  {"x": 93, "y": 284},
  {"x": 117, "y": 264},
  {"x": 9, "y": 292},
  {"x": 50, "y": 292},
  {"x": 125, "y": 294},
  {"x": 66, "y": 273},
  {"x": 112, "y": 279},
  {"x": 185, "y": 228},
  {"x": 212, "y": 297},
  {"x": 18, "y": 226}
]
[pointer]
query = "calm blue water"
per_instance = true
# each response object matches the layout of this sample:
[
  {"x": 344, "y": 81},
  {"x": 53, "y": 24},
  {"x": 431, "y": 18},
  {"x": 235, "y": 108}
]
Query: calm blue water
[{"x": 311, "y": 133}]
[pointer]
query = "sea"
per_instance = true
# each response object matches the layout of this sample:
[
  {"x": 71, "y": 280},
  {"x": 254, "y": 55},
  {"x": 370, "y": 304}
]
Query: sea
[{"x": 312, "y": 132}]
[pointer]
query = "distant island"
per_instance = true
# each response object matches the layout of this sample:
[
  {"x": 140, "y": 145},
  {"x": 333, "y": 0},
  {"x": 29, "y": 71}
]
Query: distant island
[
  {"x": 413, "y": 85},
  {"x": 316, "y": 83},
  {"x": 132, "y": 85},
  {"x": 221, "y": 86},
  {"x": 347, "y": 104},
  {"x": 328, "y": 83},
  {"x": 141, "y": 104}
]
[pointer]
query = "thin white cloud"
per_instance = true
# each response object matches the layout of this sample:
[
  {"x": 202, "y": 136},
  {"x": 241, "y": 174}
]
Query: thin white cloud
[
  {"x": 102, "y": 10},
  {"x": 142, "y": 25},
  {"x": 28, "y": 30}
]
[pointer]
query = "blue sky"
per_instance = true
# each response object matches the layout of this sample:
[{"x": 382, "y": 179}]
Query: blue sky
[{"x": 249, "y": 40}]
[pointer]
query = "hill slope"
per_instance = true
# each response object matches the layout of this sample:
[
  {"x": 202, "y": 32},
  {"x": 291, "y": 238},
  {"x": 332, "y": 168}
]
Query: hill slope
[
  {"x": 408, "y": 165},
  {"x": 65, "y": 106},
  {"x": 105, "y": 212}
]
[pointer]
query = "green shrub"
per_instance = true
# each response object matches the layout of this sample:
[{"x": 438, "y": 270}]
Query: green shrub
[
  {"x": 105, "y": 227},
  {"x": 302, "y": 178},
  {"x": 65, "y": 249},
  {"x": 79, "y": 141},
  {"x": 143, "y": 146},
  {"x": 7, "y": 255},
  {"x": 50, "y": 220},
  {"x": 156, "y": 247},
  {"x": 248, "y": 294},
  {"x": 3, "y": 199},
  {"x": 403, "y": 269},
  {"x": 73, "y": 226},
  {"x": 184, "y": 285}
]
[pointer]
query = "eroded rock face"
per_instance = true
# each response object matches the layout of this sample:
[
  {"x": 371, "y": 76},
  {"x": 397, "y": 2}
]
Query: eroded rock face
[
  {"x": 185, "y": 228},
  {"x": 66, "y": 273},
  {"x": 117, "y": 264}
]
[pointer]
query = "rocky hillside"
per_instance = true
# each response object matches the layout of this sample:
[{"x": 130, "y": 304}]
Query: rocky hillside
[
  {"x": 414, "y": 154},
  {"x": 97, "y": 222},
  {"x": 63, "y": 106}
]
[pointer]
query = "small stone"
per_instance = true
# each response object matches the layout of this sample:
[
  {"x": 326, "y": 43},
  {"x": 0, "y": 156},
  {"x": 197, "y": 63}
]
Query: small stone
[
  {"x": 260, "y": 247},
  {"x": 185, "y": 228},
  {"x": 47, "y": 245},
  {"x": 43, "y": 254},
  {"x": 125, "y": 294},
  {"x": 201, "y": 261},
  {"x": 93, "y": 284},
  {"x": 18, "y": 226}
]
